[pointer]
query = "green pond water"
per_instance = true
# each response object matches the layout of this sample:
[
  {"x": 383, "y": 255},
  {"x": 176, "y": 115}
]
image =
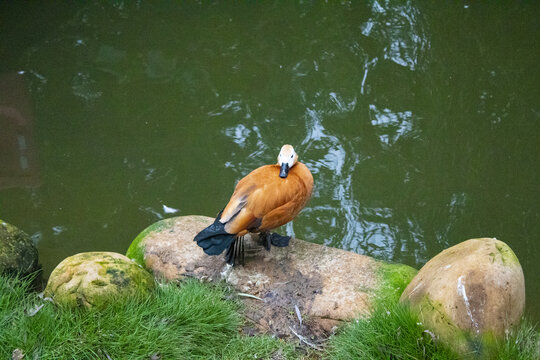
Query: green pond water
[{"x": 420, "y": 123}]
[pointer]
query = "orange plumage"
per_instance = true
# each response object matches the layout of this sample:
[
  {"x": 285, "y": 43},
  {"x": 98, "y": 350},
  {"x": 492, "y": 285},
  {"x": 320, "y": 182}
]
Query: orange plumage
[{"x": 265, "y": 199}]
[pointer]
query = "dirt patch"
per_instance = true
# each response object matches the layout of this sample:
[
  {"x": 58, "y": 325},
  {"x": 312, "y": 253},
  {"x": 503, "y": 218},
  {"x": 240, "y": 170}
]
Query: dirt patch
[{"x": 287, "y": 296}]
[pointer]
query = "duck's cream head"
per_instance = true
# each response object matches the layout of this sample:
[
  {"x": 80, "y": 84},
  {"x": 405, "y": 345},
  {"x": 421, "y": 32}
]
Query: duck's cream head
[{"x": 286, "y": 159}]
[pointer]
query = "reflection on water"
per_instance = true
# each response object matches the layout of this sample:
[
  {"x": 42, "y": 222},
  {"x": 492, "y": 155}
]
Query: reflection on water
[
  {"x": 391, "y": 125},
  {"x": 400, "y": 28},
  {"x": 18, "y": 152},
  {"x": 419, "y": 124}
]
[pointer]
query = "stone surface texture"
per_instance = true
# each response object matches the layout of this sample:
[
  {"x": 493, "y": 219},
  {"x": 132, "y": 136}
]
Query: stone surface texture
[
  {"x": 470, "y": 293},
  {"x": 96, "y": 279},
  {"x": 18, "y": 253},
  {"x": 321, "y": 285}
]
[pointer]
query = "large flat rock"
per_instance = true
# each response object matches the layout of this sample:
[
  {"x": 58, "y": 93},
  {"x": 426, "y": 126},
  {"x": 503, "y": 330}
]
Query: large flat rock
[{"x": 322, "y": 285}]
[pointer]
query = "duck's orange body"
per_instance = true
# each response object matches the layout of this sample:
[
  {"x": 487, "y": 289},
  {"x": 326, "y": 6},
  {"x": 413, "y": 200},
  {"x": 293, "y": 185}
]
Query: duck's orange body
[{"x": 265, "y": 199}]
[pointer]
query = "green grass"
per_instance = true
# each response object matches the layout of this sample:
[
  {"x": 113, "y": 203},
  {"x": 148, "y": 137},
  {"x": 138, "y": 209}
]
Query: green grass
[
  {"x": 392, "y": 332},
  {"x": 190, "y": 321},
  {"x": 395, "y": 332},
  {"x": 524, "y": 344},
  {"x": 194, "y": 321}
]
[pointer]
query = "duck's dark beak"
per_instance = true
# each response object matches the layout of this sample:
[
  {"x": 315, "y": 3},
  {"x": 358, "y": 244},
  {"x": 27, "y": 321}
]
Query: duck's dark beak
[{"x": 284, "y": 170}]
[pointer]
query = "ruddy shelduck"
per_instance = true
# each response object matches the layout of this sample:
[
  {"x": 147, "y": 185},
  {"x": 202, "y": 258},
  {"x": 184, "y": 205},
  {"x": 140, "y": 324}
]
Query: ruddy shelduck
[{"x": 265, "y": 199}]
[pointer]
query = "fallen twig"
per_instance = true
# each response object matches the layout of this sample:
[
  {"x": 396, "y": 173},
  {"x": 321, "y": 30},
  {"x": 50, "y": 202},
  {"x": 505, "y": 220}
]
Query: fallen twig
[
  {"x": 41, "y": 296},
  {"x": 298, "y": 314},
  {"x": 250, "y": 296},
  {"x": 34, "y": 311},
  {"x": 304, "y": 340}
]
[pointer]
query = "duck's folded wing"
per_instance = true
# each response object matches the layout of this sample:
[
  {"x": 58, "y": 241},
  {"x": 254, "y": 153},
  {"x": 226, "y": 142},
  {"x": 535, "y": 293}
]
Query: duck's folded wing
[{"x": 265, "y": 202}]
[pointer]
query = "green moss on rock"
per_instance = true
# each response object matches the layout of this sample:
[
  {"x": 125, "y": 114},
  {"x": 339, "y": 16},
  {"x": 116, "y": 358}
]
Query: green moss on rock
[
  {"x": 96, "y": 279},
  {"x": 137, "y": 247},
  {"x": 393, "y": 279},
  {"x": 433, "y": 314},
  {"x": 507, "y": 256},
  {"x": 18, "y": 253}
]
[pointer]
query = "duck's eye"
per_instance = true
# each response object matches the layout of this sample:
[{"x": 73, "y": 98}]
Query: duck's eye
[{"x": 291, "y": 156}]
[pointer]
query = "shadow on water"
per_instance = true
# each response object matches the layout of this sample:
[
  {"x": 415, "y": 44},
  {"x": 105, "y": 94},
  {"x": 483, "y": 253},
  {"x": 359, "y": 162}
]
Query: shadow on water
[{"x": 419, "y": 123}]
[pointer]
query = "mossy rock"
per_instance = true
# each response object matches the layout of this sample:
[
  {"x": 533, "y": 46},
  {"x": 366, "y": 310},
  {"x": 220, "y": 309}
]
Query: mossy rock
[
  {"x": 18, "y": 254},
  {"x": 96, "y": 279},
  {"x": 136, "y": 250},
  {"x": 470, "y": 295}
]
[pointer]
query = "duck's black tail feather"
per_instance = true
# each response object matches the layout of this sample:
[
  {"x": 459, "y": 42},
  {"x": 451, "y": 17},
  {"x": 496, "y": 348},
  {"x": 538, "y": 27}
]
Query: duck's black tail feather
[
  {"x": 235, "y": 253},
  {"x": 214, "y": 239}
]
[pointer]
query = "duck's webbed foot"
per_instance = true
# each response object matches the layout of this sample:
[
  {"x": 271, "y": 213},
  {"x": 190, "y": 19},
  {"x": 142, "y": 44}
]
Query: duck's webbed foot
[
  {"x": 279, "y": 240},
  {"x": 235, "y": 252},
  {"x": 265, "y": 240},
  {"x": 268, "y": 239}
]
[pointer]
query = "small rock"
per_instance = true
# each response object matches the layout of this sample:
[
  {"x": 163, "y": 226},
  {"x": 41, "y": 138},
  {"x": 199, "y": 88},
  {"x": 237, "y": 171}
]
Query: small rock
[
  {"x": 18, "y": 254},
  {"x": 97, "y": 278},
  {"x": 17, "y": 354},
  {"x": 469, "y": 294}
]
